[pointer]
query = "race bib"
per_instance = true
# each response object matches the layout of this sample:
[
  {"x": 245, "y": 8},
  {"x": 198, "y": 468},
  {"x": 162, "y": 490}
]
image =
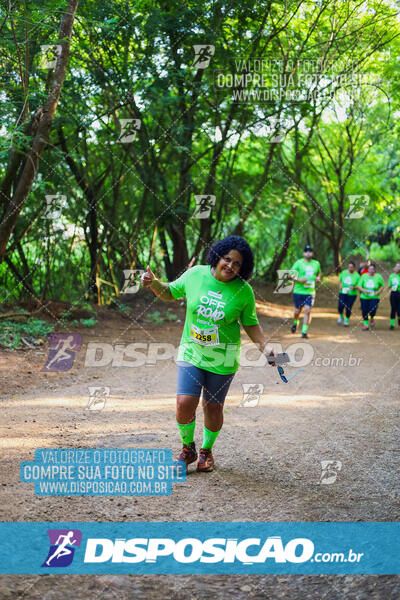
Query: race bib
[
  {"x": 204, "y": 337},
  {"x": 347, "y": 282},
  {"x": 369, "y": 285},
  {"x": 309, "y": 284},
  {"x": 395, "y": 285}
]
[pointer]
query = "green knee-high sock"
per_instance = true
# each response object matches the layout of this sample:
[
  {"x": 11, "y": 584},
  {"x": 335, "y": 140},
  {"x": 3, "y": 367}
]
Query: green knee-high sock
[
  {"x": 392, "y": 322},
  {"x": 209, "y": 438},
  {"x": 304, "y": 329},
  {"x": 366, "y": 322},
  {"x": 187, "y": 431},
  {"x": 295, "y": 322},
  {"x": 346, "y": 319}
]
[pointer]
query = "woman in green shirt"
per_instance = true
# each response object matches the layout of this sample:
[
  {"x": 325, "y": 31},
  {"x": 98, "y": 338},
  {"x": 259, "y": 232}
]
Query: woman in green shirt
[
  {"x": 371, "y": 285},
  {"x": 218, "y": 297},
  {"x": 348, "y": 280},
  {"x": 394, "y": 286}
]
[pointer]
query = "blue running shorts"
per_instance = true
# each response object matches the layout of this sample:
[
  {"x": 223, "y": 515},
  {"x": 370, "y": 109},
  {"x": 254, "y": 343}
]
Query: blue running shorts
[{"x": 192, "y": 379}]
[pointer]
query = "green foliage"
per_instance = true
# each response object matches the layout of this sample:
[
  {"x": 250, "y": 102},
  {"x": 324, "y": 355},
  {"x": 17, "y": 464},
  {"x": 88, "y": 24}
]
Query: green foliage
[
  {"x": 154, "y": 317},
  {"x": 122, "y": 308},
  {"x": 11, "y": 332},
  {"x": 82, "y": 305},
  {"x": 66, "y": 314},
  {"x": 86, "y": 322},
  {"x": 390, "y": 253},
  {"x": 194, "y": 136},
  {"x": 157, "y": 317},
  {"x": 169, "y": 316}
]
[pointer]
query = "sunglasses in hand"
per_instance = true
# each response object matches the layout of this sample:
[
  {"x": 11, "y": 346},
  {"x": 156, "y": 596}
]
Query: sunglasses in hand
[
  {"x": 282, "y": 374},
  {"x": 276, "y": 360}
]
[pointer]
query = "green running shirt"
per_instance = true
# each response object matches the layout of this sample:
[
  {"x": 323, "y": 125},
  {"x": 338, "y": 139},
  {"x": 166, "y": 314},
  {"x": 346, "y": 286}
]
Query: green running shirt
[
  {"x": 394, "y": 282},
  {"x": 309, "y": 269},
  {"x": 211, "y": 334},
  {"x": 347, "y": 279},
  {"x": 372, "y": 284}
]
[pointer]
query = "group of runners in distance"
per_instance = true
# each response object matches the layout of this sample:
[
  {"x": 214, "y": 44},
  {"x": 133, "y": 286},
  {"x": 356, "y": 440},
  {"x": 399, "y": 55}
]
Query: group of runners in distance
[
  {"x": 219, "y": 299},
  {"x": 366, "y": 280}
]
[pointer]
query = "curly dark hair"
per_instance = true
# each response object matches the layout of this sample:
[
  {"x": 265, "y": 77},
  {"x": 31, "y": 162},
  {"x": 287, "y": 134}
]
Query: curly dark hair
[{"x": 233, "y": 242}]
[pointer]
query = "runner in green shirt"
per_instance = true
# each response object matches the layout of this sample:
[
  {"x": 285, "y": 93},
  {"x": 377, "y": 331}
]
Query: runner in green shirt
[
  {"x": 348, "y": 281},
  {"x": 394, "y": 286},
  {"x": 218, "y": 298},
  {"x": 371, "y": 285},
  {"x": 308, "y": 274}
]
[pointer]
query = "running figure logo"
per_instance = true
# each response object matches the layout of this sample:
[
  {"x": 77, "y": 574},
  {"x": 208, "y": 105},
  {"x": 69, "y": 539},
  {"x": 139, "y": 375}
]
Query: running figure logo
[
  {"x": 330, "y": 470},
  {"x": 251, "y": 394},
  {"x": 129, "y": 130},
  {"x": 132, "y": 281},
  {"x": 204, "y": 204},
  {"x": 285, "y": 282},
  {"x": 276, "y": 133},
  {"x": 49, "y": 55},
  {"x": 62, "y": 351},
  {"x": 55, "y": 204},
  {"x": 61, "y": 551},
  {"x": 357, "y": 206},
  {"x": 203, "y": 54},
  {"x": 97, "y": 397}
]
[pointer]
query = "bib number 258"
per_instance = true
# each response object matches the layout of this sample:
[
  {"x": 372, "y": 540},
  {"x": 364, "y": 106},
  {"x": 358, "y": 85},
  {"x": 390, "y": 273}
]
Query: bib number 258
[{"x": 205, "y": 337}]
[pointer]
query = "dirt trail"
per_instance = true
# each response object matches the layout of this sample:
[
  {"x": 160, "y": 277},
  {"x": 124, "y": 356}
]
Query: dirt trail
[{"x": 268, "y": 456}]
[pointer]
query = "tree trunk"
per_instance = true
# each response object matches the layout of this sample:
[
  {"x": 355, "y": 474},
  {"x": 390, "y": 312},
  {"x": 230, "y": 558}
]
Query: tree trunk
[
  {"x": 27, "y": 270},
  {"x": 30, "y": 166},
  {"x": 281, "y": 255},
  {"x": 180, "y": 257},
  {"x": 93, "y": 244},
  {"x": 166, "y": 259},
  {"x": 27, "y": 290},
  {"x": 337, "y": 254}
]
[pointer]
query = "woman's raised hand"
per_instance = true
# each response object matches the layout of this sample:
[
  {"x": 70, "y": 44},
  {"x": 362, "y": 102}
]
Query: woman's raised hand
[{"x": 148, "y": 277}]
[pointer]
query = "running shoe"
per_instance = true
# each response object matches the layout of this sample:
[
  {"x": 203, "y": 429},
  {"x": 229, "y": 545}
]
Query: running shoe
[
  {"x": 365, "y": 327},
  {"x": 293, "y": 328},
  {"x": 188, "y": 453},
  {"x": 304, "y": 336},
  {"x": 206, "y": 460},
  {"x": 346, "y": 323},
  {"x": 391, "y": 327},
  {"x": 339, "y": 321}
]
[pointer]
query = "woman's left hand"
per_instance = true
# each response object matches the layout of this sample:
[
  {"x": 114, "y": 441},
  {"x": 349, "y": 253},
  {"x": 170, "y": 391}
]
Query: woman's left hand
[
  {"x": 257, "y": 336},
  {"x": 268, "y": 351}
]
